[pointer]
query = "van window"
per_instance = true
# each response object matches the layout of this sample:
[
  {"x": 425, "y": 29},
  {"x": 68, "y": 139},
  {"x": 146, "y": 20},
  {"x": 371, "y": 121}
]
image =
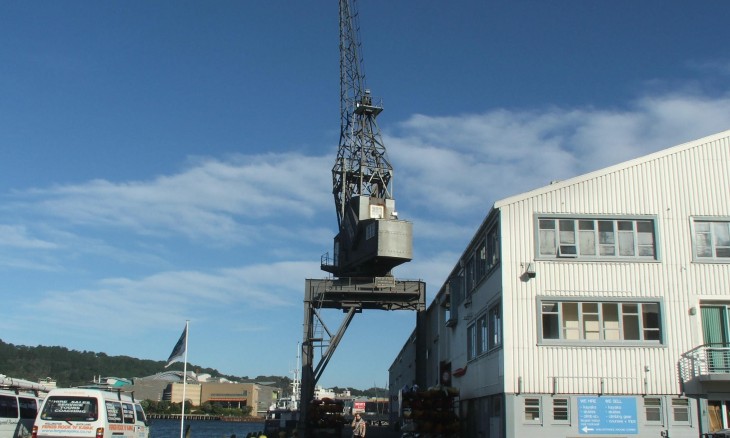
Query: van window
[
  {"x": 113, "y": 412},
  {"x": 8, "y": 406},
  {"x": 63, "y": 408},
  {"x": 28, "y": 408},
  {"x": 140, "y": 414},
  {"x": 128, "y": 411}
]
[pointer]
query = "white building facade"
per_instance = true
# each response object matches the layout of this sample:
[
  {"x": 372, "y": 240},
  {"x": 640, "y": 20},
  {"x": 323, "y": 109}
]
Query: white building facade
[{"x": 593, "y": 306}]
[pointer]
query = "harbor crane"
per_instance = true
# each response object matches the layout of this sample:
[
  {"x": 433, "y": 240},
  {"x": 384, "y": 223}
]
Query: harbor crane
[{"x": 371, "y": 238}]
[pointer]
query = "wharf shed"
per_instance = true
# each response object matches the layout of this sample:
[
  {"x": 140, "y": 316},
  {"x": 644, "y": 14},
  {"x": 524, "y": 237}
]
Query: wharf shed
[{"x": 597, "y": 305}]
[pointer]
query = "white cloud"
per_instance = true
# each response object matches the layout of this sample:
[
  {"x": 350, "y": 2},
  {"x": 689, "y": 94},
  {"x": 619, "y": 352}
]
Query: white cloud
[
  {"x": 17, "y": 236},
  {"x": 216, "y": 200},
  {"x": 452, "y": 167},
  {"x": 167, "y": 297}
]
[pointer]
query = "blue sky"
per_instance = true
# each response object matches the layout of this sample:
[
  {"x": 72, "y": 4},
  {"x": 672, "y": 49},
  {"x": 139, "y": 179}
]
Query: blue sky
[{"x": 170, "y": 160}]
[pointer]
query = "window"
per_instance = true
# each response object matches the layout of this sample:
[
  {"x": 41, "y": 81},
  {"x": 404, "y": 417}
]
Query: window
[
  {"x": 560, "y": 410},
  {"x": 596, "y": 238},
  {"x": 61, "y": 408},
  {"x": 371, "y": 231},
  {"x": 8, "y": 406},
  {"x": 495, "y": 326},
  {"x": 492, "y": 248},
  {"x": 28, "y": 407},
  {"x": 486, "y": 333},
  {"x": 140, "y": 413},
  {"x": 712, "y": 240},
  {"x": 481, "y": 255},
  {"x": 532, "y": 410},
  {"x": 653, "y": 409},
  {"x": 483, "y": 335},
  {"x": 592, "y": 321},
  {"x": 456, "y": 286},
  {"x": 128, "y": 413},
  {"x": 680, "y": 410},
  {"x": 470, "y": 274},
  {"x": 113, "y": 412},
  {"x": 471, "y": 341}
]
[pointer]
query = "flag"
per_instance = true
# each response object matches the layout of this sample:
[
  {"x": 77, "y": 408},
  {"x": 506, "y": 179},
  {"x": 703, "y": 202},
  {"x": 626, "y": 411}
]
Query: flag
[{"x": 179, "y": 351}]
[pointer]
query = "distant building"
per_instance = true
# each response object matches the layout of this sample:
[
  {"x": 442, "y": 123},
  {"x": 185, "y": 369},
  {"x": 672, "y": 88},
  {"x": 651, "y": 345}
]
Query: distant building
[
  {"x": 239, "y": 395},
  {"x": 321, "y": 392},
  {"x": 174, "y": 393},
  {"x": 149, "y": 389},
  {"x": 205, "y": 389},
  {"x": 598, "y": 305},
  {"x": 48, "y": 383}
]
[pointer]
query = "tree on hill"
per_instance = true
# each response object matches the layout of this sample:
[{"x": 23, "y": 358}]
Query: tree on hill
[{"x": 74, "y": 368}]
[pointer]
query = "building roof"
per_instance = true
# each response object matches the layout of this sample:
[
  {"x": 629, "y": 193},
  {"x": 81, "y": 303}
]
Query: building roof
[{"x": 607, "y": 170}]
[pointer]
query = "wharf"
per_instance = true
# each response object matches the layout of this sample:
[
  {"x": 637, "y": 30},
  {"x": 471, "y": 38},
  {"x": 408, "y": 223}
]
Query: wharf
[{"x": 374, "y": 432}]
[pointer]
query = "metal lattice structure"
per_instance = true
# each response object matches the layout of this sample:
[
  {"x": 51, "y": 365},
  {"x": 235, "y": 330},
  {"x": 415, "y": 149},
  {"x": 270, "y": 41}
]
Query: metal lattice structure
[
  {"x": 371, "y": 239},
  {"x": 362, "y": 166}
]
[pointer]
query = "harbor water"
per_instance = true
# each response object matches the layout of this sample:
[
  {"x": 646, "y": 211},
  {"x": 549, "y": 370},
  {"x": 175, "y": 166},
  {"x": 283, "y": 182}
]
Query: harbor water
[{"x": 203, "y": 429}]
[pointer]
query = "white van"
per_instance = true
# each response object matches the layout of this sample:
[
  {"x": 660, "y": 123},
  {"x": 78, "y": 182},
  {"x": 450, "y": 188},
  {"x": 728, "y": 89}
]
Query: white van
[
  {"x": 92, "y": 413},
  {"x": 17, "y": 413}
]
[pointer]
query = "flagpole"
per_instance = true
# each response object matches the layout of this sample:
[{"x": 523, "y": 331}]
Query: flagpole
[{"x": 185, "y": 380}]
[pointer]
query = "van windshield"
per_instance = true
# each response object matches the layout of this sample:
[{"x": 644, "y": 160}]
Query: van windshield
[{"x": 70, "y": 409}]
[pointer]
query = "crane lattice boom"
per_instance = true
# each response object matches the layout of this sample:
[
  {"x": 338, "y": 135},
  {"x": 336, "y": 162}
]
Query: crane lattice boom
[{"x": 362, "y": 175}]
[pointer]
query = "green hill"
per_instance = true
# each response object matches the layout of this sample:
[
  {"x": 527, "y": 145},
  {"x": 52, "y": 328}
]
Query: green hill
[{"x": 74, "y": 368}]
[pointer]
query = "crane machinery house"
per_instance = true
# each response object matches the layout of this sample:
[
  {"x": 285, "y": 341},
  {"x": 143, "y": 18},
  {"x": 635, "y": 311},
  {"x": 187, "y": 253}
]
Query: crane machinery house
[{"x": 597, "y": 305}]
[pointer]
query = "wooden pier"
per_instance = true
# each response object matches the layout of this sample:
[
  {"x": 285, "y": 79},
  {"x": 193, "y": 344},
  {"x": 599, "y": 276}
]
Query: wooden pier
[{"x": 203, "y": 417}]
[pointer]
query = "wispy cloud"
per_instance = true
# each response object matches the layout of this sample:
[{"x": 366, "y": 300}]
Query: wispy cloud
[
  {"x": 17, "y": 236},
  {"x": 213, "y": 200},
  {"x": 452, "y": 167},
  {"x": 273, "y": 213},
  {"x": 106, "y": 306}
]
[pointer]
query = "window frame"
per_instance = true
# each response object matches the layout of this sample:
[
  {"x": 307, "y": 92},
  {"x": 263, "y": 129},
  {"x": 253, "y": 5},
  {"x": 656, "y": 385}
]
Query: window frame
[
  {"x": 114, "y": 412},
  {"x": 646, "y": 337},
  {"x": 532, "y": 409},
  {"x": 8, "y": 406},
  {"x": 494, "y": 323},
  {"x": 28, "y": 407},
  {"x": 471, "y": 341},
  {"x": 484, "y": 333},
  {"x": 687, "y": 408},
  {"x": 567, "y": 243},
  {"x": 566, "y": 407},
  {"x": 657, "y": 409},
  {"x": 493, "y": 244},
  {"x": 712, "y": 221}
]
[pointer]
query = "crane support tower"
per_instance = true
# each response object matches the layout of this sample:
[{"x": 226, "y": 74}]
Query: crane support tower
[{"x": 371, "y": 239}]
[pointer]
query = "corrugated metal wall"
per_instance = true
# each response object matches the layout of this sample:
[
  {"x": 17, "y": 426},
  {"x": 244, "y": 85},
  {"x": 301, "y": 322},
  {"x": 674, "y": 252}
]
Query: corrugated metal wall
[{"x": 673, "y": 185}]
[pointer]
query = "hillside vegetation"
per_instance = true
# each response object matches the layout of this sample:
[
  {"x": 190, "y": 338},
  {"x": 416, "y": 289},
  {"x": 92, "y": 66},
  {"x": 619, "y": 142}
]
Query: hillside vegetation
[{"x": 75, "y": 368}]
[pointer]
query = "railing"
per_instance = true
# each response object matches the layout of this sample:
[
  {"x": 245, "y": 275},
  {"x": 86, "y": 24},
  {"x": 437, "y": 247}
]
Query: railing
[{"x": 705, "y": 360}]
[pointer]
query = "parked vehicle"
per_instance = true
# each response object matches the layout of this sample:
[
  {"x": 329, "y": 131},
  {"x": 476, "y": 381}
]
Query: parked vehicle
[
  {"x": 18, "y": 410},
  {"x": 90, "y": 412},
  {"x": 20, "y": 401}
]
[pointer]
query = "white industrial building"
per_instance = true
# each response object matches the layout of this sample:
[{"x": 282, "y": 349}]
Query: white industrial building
[{"x": 596, "y": 305}]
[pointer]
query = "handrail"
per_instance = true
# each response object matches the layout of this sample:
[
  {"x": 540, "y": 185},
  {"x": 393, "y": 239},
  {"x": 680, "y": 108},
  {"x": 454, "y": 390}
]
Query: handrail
[{"x": 712, "y": 358}]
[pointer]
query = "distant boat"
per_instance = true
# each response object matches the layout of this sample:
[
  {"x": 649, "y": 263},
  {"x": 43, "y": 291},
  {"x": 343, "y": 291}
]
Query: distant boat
[{"x": 283, "y": 416}]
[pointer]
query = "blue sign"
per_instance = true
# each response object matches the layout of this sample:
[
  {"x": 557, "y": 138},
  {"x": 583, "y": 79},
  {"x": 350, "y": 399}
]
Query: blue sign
[{"x": 607, "y": 415}]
